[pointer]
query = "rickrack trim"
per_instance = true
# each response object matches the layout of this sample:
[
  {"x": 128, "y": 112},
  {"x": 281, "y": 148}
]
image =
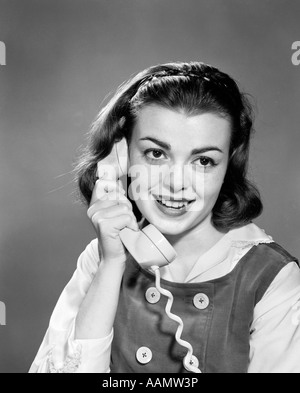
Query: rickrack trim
[
  {"x": 70, "y": 366},
  {"x": 244, "y": 244},
  {"x": 248, "y": 243}
]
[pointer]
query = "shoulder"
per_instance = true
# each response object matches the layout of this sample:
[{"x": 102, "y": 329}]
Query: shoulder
[
  {"x": 275, "y": 252},
  {"x": 261, "y": 258},
  {"x": 262, "y": 245},
  {"x": 266, "y": 263}
]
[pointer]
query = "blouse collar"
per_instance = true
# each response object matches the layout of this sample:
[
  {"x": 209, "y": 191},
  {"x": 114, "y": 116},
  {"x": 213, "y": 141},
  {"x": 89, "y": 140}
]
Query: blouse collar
[
  {"x": 229, "y": 247},
  {"x": 244, "y": 236},
  {"x": 248, "y": 235}
]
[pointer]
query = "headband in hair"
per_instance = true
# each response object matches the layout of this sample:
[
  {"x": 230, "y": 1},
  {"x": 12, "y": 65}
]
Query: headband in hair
[{"x": 176, "y": 73}]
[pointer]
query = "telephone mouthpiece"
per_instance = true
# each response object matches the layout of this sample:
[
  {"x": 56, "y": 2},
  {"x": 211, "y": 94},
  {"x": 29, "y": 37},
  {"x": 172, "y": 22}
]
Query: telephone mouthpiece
[{"x": 148, "y": 246}]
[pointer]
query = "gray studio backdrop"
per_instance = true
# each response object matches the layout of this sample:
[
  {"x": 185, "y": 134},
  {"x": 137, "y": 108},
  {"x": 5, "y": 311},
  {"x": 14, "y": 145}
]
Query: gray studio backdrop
[{"x": 63, "y": 57}]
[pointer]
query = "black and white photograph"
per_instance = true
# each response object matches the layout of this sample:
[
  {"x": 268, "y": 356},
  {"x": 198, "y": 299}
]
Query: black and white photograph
[{"x": 150, "y": 189}]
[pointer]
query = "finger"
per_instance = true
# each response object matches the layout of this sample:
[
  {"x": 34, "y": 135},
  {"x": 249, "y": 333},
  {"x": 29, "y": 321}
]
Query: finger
[
  {"x": 112, "y": 225},
  {"x": 99, "y": 206},
  {"x": 103, "y": 188},
  {"x": 117, "y": 210},
  {"x": 110, "y": 199},
  {"x": 106, "y": 186},
  {"x": 106, "y": 171},
  {"x": 105, "y": 204},
  {"x": 128, "y": 220}
]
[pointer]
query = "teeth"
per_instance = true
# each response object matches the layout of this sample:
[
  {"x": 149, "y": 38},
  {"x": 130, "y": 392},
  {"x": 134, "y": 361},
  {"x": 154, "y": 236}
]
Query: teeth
[{"x": 174, "y": 204}]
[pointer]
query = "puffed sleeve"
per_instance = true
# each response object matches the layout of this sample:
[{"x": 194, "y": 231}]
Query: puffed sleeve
[
  {"x": 59, "y": 351},
  {"x": 275, "y": 333}
]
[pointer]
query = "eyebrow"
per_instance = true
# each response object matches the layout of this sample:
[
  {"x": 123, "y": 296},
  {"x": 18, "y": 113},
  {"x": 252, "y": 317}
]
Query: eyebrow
[{"x": 167, "y": 146}]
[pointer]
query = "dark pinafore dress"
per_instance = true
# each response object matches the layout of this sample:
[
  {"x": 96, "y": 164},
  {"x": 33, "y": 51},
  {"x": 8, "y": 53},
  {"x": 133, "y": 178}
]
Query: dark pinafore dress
[{"x": 217, "y": 316}]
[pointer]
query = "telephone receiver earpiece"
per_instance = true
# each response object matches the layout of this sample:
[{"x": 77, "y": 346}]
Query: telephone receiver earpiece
[
  {"x": 147, "y": 246},
  {"x": 115, "y": 165}
]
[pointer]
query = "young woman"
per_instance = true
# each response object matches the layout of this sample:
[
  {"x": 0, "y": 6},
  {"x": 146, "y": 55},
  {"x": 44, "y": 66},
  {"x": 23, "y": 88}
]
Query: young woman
[{"x": 236, "y": 291}]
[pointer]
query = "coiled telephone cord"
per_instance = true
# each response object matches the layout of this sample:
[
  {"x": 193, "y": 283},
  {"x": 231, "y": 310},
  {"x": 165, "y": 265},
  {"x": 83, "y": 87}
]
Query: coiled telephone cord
[{"x": 187, "y": 361}]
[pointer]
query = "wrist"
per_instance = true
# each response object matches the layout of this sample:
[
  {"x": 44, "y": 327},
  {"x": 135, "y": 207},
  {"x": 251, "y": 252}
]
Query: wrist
[{"x": 115, "y": 265}]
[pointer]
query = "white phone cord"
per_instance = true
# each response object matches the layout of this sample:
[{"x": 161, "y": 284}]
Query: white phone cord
[{"x": 176, "y": 318}]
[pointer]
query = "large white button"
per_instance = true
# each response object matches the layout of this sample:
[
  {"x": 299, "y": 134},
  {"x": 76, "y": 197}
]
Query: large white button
[
  {"x": 201, "y": 301},
  {"x": 152, "y": 295},
  {"x": 194, "y": 362},
  {"x": 143, "y": 355}
]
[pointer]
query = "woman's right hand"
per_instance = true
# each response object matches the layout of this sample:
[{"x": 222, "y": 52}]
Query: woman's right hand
[{"x": 110, "y": 211}]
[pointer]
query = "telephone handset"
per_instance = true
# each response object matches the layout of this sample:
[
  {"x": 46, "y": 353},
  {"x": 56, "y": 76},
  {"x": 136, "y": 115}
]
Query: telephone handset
[{"x": 148, "y": 246}]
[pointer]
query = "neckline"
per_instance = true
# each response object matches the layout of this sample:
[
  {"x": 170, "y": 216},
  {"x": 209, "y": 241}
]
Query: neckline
[
  {"x": 218, "y": 247},
  {"x": 206, "y": 255},
  {"x": 174, "y": 284},
  {"x": 241, "y": 237}
]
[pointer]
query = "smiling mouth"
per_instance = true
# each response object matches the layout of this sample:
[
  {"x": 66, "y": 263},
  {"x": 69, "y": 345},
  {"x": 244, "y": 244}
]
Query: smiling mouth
[{"x": 173, "y": 204}]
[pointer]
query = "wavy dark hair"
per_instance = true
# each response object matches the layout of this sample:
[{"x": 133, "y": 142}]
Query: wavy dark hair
[{"x": 194, "y": 88}]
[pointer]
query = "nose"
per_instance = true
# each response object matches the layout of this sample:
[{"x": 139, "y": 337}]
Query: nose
[{"x": 176, "y": 179}]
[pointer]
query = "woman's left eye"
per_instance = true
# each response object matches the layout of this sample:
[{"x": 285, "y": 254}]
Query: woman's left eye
[{"x": 206, "y": 161}]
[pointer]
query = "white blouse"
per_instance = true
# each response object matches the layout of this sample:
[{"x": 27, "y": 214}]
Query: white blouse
[{"x": 275, "y": 331}]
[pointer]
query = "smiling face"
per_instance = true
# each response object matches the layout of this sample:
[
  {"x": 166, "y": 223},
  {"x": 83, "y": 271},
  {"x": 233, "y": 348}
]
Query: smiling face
[{"x": 182, "y": 158}]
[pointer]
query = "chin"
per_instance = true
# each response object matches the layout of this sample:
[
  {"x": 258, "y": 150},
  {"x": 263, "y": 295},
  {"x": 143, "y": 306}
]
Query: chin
[
  {"x": 171, "y": 231},
  {"x": 167, "y": 226},
  {"x": 167, "y": 229}
]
